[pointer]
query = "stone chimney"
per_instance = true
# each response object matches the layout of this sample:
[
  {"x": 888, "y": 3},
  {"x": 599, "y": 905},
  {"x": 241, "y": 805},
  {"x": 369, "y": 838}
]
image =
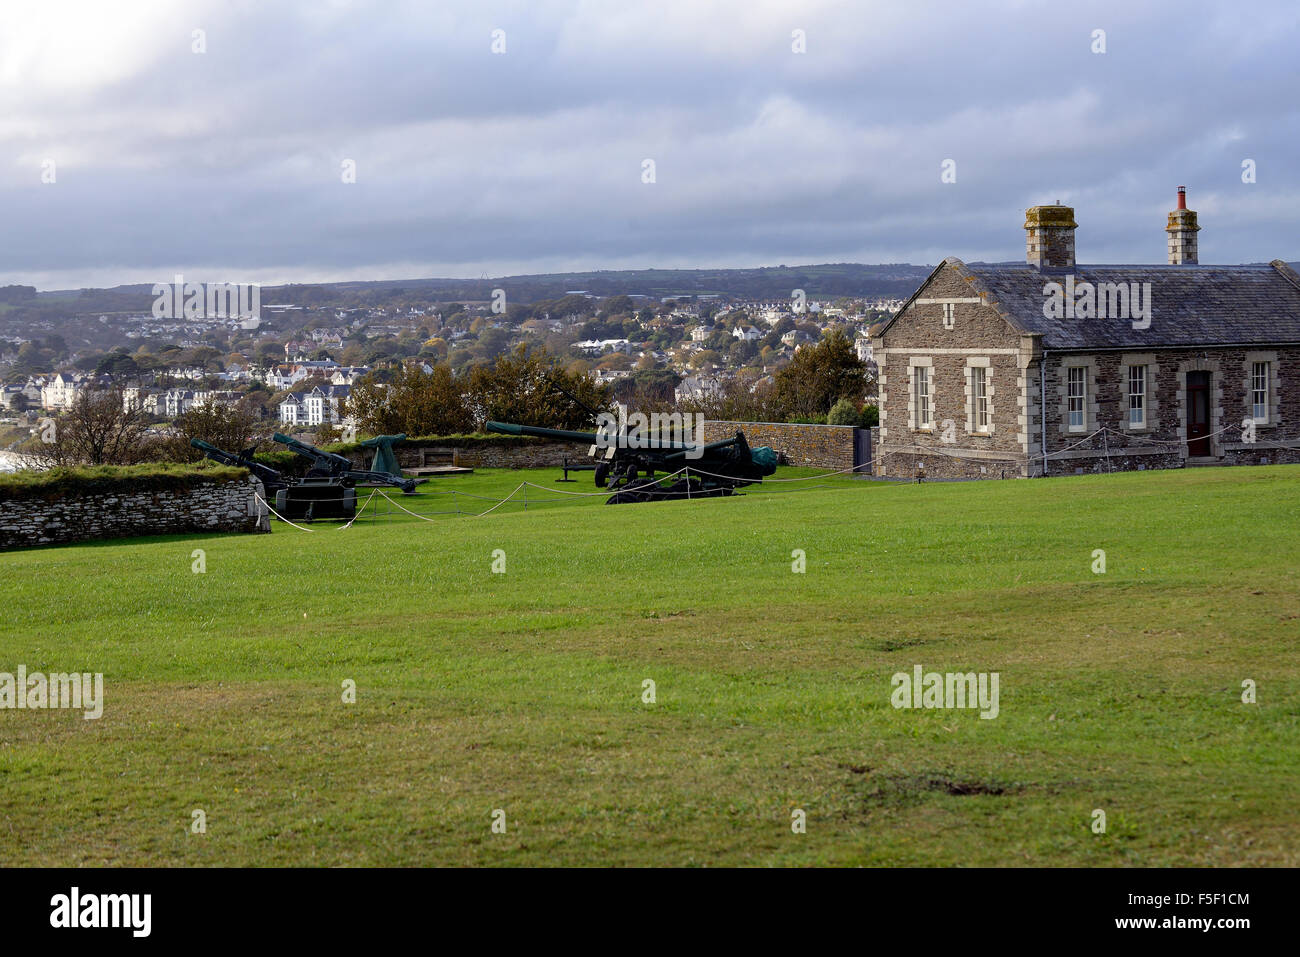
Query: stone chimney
[
  {"x": 1182, "y": 230},
  {"x": 1049, "y": 243}
]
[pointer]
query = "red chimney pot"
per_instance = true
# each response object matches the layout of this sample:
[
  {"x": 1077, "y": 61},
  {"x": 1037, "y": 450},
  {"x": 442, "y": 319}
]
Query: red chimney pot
[{"x": 1182, "y": 197}]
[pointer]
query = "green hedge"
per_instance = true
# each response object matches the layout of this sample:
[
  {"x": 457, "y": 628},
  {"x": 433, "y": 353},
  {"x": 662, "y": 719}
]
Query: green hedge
[
  {"x": 467, "y": 441},
  {"x": 283, "y": 461},
  {"x": 99, "y": 479}
]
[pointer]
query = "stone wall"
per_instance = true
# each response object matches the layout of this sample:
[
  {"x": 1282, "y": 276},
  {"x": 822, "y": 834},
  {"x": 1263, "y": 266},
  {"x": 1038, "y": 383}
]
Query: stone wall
[
  {"x": 1160, "y": 443},
  {"x": 814, "y": 446},
  {"x": 818, "y": 446},
  {"x": 209, "y": 507},
  {"x": 523, "y": 453}
]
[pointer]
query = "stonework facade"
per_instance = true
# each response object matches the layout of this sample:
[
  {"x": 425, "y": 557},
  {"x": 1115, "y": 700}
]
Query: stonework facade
[
  {"x": 981, "y": 378},
  {"x": 928, "y": 401},
  {"x": 214, "y": 507}
]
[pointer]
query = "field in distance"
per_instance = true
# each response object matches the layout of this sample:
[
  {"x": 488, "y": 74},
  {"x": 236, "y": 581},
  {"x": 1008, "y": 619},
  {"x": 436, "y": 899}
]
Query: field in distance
[{"x": 524, "y": 691}]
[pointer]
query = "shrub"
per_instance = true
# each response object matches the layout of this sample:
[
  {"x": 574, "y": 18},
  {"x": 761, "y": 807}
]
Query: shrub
[
  {"x": 843, "y": 412},
  {"x": 870, "y": 417}
]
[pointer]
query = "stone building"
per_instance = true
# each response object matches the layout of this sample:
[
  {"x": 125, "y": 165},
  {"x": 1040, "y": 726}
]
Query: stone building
[{"x": 1136, "y": 367}]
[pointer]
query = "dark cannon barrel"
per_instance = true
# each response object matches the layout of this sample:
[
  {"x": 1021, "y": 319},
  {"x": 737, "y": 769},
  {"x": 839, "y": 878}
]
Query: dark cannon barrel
[
  {"x": 711, "y": 447},
  {"x": 631, "y": 440},
  {"x": 510, "y": 428},
  {"x": 310, "y": 451}
]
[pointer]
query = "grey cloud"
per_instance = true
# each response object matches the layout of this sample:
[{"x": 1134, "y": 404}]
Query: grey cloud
[{"x": 469, "y": 162}]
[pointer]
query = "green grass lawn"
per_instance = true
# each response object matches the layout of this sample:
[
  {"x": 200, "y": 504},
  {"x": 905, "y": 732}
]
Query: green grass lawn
[{"x": 523, "y": 691}]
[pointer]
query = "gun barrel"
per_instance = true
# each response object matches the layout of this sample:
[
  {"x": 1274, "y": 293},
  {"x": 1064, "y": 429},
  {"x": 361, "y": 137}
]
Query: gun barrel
[
  {"x": 564, "y": 435},
  {"x": 634, "y": 440},
  {"x": 269, "y": 476},
  {"x": 310, "y": 451},
  {"x": 216, "y": 454},
  {"x": 712, "y": 446}
]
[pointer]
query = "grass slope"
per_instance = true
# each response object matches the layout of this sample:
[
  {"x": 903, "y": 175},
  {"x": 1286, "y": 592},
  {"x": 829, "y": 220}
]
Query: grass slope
[{"x": 523, "y": 691}]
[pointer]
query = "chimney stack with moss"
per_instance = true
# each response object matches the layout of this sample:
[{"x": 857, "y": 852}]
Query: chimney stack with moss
[{"x": 1049, "y": 241}]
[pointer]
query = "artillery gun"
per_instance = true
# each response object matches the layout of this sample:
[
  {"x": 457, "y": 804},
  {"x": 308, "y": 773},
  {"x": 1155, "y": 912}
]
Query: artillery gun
[
  {"x": 626, "y": 463},
  {"x": 296, "y": 499},
  {"x": 330, "y": 465}
]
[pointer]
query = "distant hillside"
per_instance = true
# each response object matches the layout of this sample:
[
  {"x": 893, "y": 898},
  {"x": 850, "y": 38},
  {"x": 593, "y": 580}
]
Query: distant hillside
[
  {"x": 826, "y": 281},
  {"x": 765, "y": 282}
]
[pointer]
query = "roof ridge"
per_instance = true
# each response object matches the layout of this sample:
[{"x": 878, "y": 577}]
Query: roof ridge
[{"x": 1286, "y": 272}]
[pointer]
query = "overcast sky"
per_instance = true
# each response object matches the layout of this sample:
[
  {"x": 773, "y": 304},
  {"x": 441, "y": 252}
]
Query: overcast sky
[{"x": 228, "y": 164}]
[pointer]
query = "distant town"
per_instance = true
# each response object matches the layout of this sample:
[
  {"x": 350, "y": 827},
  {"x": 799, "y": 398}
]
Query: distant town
[{"x": 296, "y": 361}]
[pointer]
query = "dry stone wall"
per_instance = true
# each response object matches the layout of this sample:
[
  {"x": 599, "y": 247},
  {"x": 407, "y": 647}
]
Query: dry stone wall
[{"x": 69, "y": 517}]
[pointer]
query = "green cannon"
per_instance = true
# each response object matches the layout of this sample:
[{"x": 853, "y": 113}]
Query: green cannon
[
  {"x": 331, "y": 465},
  {"x": 627, "y": 461},
  {"x": 385, "y": 459}
]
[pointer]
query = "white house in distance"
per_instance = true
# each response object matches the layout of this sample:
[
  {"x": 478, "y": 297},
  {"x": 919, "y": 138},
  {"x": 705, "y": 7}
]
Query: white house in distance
[
  {"x": 176, "y": 402},
  {"x": 695, "y": 388},
  {"x": 61, "y": 391},
  {"x": 597, "y": 346},
  {"x": 317, "y": 407}
]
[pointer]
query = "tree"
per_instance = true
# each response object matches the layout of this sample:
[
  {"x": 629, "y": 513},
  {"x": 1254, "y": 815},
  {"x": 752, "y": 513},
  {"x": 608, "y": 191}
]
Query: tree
[
  {"x": 719, "y": 340},
  {"x": 703, "y": 359},
  {"x": 99, "y": 429},
  {"x": 492, "y": 342},
  {"x": 413, "y": 401},
  {"x": 118, "y": 366},
  {"x": 740, "y": 352},
  {"x": 820, "y": 375},
  {"x": 615, "y": 361},
  {"x": 617, "y": 306},
  {"x": 741, "y": 399},
  {"x": 522, "y": 387},
  {"x": 232, "y": 428}
]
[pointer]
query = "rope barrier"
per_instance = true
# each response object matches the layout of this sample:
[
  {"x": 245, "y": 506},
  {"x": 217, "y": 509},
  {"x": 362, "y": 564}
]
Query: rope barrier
[
  {"x": 358, "y": 512},
  {"x": 503, "y": 501},
  {"x": 279, "y": 516},
  {"x": 688, "y": 471},
  {"x": 409, "y": 512}
]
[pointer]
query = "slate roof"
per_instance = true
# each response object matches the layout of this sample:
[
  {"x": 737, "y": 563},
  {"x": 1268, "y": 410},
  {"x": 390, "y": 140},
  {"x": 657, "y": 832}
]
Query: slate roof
[
  {"x": 328, "y": 391},
  {"x": 1255, "y": 304}
]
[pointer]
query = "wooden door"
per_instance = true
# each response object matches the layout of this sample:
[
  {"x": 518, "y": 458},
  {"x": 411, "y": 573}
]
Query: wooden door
[{"x": 1198, "y": 413}]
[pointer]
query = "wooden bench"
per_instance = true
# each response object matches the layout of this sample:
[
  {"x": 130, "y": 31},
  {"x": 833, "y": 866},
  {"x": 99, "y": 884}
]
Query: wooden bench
[{"x": 441, "y": 463}]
